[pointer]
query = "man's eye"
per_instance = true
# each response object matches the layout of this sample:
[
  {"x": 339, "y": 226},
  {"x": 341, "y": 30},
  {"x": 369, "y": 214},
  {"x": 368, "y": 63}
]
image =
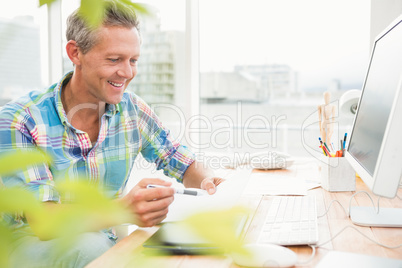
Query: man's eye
[
  {"x": 133, "y": 61},
  {"x": 113, "y": 60}
]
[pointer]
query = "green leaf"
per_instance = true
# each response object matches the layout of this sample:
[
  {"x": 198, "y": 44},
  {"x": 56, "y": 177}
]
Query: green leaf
[
  {"x": 219, "y": 227},
  {"x": 45, "y": 2},
  {"x": 5, "y": 242},
  {"x": 83, "y": 191},
  {"x": 140, "y": 8},
  {"x": 92, "y": 11},
  {"x": 13, "y": 161},
  {"x": 17, "y": 199},
  {"x": 91, "y": 209}
]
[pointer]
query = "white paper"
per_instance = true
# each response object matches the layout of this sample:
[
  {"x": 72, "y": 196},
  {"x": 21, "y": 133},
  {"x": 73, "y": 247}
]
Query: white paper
[{"x": 226, "y": 196}]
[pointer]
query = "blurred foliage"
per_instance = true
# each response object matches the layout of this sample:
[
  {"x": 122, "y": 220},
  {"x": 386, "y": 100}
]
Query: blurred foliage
[
  {"x": 15, "y": 200},
  {"x": 15, "y": 160},
  {"x": 92, "y": 10},
  {"x": 90, "y": 209},
  {"x": 220, "y": 227}
]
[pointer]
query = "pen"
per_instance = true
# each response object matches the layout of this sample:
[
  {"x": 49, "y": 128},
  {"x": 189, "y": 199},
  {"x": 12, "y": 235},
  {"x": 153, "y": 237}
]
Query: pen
[
  {"x": 326, "y": 146},
  {"x": 344, "y": 140},
  {"x": 326, "y": 151},
  {"x": 195, "y": 192},
  {"x": 342, "y": 149},
  {"x": 322, "y": 145}
]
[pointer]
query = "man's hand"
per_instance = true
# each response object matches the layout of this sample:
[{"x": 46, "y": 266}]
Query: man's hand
[
  {"x": 209, "y": 184},
  {"x": 198, "y": 175},
  {"x": 149, "y": 206}
]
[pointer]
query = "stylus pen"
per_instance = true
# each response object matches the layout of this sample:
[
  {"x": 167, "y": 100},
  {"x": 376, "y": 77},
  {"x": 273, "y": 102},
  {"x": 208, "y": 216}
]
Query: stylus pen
[{"x": 178, "y": 190}]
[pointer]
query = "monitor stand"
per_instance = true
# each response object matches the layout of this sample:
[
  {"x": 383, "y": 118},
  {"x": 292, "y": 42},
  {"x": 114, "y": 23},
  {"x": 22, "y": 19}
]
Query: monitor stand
[{"x": 368, "y": 216}]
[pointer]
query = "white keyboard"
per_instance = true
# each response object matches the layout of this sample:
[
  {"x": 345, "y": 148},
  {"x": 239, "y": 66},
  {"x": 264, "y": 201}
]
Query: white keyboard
[{"x": 291, "y": 220}]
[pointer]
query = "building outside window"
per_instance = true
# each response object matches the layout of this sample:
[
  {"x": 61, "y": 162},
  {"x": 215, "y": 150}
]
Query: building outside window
[
  {"x": 23, "y": 63},
  {"x": 264, "y": 66}
]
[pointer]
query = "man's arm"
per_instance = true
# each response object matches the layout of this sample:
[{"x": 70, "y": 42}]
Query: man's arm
[
  {"x": 157, "y": 142},
  {"x": 142, "y": 206},
  {"x": 198, "y": 175}
]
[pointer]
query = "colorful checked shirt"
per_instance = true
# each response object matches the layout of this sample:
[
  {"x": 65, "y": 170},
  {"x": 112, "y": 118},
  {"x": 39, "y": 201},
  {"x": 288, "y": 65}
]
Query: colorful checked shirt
[{"x": 127, "y": 129}]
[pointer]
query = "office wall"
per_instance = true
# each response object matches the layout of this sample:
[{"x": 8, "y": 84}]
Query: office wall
[{"x": 383, "y": 12}]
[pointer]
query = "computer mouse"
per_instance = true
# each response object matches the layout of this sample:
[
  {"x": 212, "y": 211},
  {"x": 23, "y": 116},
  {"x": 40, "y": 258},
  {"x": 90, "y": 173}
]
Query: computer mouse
[{"x": 265, "y": 255}]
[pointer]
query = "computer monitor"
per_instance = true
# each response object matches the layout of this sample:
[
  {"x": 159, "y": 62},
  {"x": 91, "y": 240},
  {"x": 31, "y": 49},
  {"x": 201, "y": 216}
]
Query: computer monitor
[{"x": 375, "y": 144}]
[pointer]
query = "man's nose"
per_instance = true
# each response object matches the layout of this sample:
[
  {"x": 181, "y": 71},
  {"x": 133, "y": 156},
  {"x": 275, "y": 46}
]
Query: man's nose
[{"x": 126, "y": 70}]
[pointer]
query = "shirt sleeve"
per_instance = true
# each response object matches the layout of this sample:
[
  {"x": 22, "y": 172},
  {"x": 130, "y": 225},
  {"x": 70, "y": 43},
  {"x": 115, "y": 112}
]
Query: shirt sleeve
[
  {"x": 17, "y": 132},
  {"x": 159, "y": 145}
]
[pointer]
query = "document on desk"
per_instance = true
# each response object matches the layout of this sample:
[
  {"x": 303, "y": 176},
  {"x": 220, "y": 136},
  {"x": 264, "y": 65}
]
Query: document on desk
[
  {"x": 226, "y": 196},
  {"x": 266, "y": 183}
]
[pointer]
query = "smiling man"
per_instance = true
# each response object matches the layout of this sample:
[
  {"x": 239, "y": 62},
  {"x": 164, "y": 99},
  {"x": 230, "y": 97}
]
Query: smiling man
[{"x": 93, "y": 128}]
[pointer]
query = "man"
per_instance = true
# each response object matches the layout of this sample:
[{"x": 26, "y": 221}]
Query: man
[{"x": 92, "y": 127}]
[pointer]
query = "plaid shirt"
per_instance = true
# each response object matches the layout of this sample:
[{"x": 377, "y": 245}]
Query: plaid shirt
[{"x": 127, "y": 129}]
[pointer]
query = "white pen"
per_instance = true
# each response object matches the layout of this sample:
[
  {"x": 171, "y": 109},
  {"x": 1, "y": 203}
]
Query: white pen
[{"x": 193, "y": 191}]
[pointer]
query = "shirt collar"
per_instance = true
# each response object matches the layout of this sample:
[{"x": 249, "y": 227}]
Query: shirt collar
[
  {"x": 110, "y": 110},
  {"x": 57, "y": 97}
]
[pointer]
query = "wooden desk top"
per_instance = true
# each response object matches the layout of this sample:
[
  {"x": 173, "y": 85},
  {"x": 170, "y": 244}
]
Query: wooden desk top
[{"x": 128, "y": 251}]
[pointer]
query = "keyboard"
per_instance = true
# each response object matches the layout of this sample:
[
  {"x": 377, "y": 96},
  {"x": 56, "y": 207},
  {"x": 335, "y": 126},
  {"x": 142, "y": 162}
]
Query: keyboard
[{"x": 291, "y": 220}]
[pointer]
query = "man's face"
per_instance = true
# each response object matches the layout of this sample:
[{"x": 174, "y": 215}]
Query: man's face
[{"x": 108, "y": 67}]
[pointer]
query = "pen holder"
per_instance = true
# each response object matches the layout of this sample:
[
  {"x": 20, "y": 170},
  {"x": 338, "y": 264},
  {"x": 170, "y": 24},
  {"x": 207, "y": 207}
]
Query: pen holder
[{"x": 337, "y": 175}]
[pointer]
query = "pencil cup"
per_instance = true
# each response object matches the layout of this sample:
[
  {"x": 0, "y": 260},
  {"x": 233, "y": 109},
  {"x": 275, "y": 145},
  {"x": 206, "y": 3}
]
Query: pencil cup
[{"x": 337, "y": 175}]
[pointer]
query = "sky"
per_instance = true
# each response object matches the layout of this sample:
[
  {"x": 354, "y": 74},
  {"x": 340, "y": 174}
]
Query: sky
[{"x": 322, "y": 40}]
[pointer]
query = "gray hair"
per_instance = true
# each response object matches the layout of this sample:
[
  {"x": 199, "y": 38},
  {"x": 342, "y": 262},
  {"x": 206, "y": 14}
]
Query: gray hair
[{"x": 115, "y": 14}]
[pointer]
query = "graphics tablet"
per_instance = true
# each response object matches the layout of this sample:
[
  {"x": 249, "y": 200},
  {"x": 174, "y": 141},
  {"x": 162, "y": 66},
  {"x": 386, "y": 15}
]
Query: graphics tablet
[{"x": 175, "y": 238}]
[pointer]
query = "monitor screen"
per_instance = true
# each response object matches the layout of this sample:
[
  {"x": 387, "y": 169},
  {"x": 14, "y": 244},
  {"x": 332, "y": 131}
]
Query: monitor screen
[
  {"x": 377, "y": 98},
  {"x": 375, "y": 149}
]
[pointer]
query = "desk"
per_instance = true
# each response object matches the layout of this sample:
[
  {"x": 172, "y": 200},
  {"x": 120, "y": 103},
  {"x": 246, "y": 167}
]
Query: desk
[{"x": 350, "y": 240}]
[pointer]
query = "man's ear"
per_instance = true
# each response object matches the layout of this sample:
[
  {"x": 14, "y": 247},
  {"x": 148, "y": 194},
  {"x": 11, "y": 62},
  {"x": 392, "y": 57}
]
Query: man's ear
[{"x": 73, "y": 52}]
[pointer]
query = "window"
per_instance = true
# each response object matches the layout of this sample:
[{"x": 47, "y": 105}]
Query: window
[
  {"x": 264, "y": 66},
  {"x": 161, "y": 55},
  {"x": 161, "y": 67},
  {"x": 23, "y": 43},
  {"x": 67, "y": 7}
]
